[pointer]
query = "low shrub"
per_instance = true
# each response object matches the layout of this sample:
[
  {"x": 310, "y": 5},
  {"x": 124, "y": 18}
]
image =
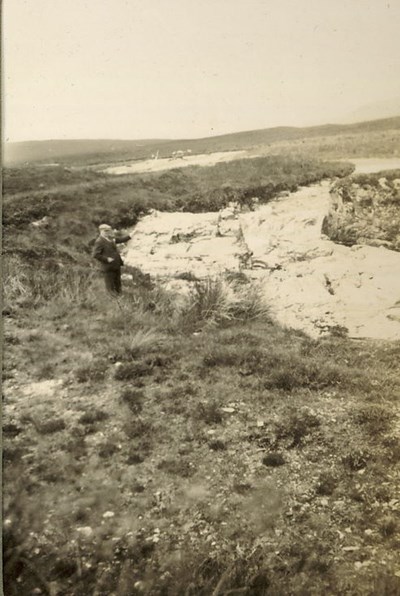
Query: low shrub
[
  {"x": 375, "y": 418},
  {"x": 388, "y": 525},
  {"x": 133, "y": 398},
  {"x": 47, "y": 282},
  {"x": 208, "y": 303},
  {"x": 133, "y": 370},
  {"x": 291, "y": 372},
  {"x": 246, "y": 358},
  {"x": 273, "y": 460},
  {"x": 327, "y": 483},
  {"x": 142, "y": 342},
  {"x": 92, "y": 416},
  {"x": 217, "y": 445},
  {"x": 366, "y": 210},
  {"x": 50, "y": 426},
  {"x": 217, "y": 302},
  {"x": 140, "y": 444},
  {"x": 208, "y": 412},
  {"x": 179, "y": 467},
  {"x": 137, "y": 428},
  {"x": 108, "y": 449},
  {"x": 297, "y": 426},
  {"x": 93, "y": 371},
  {"x": 356, "y": 459},
  {"x": 186, "y": 276}
]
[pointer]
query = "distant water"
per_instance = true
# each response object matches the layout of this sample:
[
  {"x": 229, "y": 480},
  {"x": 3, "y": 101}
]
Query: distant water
[{"x": 371, "y": 165}]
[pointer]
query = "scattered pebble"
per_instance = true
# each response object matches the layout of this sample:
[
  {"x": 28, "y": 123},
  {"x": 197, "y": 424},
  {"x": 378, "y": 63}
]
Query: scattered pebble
[
  {"x": 85, "y": 531},
  {"x": 108, "y": 514},
  {"x": 358, "y": 565}
]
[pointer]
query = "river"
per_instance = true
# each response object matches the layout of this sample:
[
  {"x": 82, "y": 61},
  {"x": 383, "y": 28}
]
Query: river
[{"x": 371, "y": 165}]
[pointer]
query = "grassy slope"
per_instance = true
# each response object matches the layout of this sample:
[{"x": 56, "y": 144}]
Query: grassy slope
[
  {"x": 91, "y": 151},
  {"x": 192, "y": 451},
  {"x": 76, "y": 202},
  {"x": 238, "y": 454}
]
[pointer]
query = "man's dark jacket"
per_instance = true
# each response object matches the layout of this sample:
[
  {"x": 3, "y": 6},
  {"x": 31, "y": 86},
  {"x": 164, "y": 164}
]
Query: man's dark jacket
[{"x": 103, "y": 249}]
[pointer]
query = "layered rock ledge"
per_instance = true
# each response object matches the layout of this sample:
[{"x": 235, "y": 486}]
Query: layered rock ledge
[{"x": 310, "y": 282}]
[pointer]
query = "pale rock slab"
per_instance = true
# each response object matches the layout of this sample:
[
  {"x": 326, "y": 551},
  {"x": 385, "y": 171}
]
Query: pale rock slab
[{"x": 311, "y": 283}]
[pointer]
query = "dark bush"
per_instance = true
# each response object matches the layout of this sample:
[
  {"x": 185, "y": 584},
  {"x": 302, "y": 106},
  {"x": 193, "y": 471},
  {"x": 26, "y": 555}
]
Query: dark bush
[
  {"x": 209, "y": 412},
  {"x": 51, "y": 426},
  {"x": 95, "y": 371},
  {"x": 297, "y": 427},
  {"x": 273, "y": 460},
  {"x": 133, "y": 399},
  {"x": 132, "y": 370},
  {"x": 217, "y": 445},
  {"x": 90, "y": 417},
  {"x": 107, "y": 450}
]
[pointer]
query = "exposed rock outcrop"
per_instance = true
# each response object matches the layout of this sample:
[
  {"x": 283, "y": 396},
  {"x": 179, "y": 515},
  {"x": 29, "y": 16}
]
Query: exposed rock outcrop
[
  {"x": 310, "y": 282},
  {"x": 366, "y": 210},
  {"x": 168, "y": 244}
]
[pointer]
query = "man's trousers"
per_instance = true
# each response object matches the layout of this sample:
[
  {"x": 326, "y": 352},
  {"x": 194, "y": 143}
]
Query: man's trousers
[{"x": 113, "y": 281}]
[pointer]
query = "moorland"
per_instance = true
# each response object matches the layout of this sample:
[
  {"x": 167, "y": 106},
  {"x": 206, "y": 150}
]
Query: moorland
[{"x": 159, "y": 446}]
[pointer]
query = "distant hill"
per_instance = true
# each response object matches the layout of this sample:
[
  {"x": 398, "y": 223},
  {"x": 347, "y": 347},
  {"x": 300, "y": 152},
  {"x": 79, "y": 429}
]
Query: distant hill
[
  {"x": 373, "y": 111},
  {"x": 84, "y": 152},
  {"x": 33, "y": 151}
]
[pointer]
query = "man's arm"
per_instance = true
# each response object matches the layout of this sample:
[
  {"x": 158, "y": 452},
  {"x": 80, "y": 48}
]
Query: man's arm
[
  {"x": 121, "y": 239},
  {"x": 97, "y": 252}
]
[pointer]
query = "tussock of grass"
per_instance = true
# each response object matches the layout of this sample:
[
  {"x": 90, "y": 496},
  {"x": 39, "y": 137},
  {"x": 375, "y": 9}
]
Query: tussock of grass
[
  {"x": 241, "y": 355},
  {"x": 133, "y": 399},
  {"x": 216, "y": 302},
  {"x": 297, "y": 426},
  {"x": 92, "y": 371},
  {"x": 92, "y": 416},
  {"x": 357, "y": 458},
  {"x": 208, "y": 304},
  {"x": 51, "y": 426},
  {"x": 180, "y": 467},
  {"x": 143, "y": 342},
  {"x": 29, "y": 286},
  {"x": 279, "y": 369},
  {"x": 133, "y": 370},
  {"x": 313, "y": 375},
  {"x": 138, "y": 428},
  {"x": 273, "y": 460},
  {"x": 209, "y": 412},
  {"x": 375, "y": 417}
]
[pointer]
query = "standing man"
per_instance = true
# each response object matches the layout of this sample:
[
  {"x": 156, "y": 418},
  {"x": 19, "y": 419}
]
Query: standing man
[{"x": 105, "y": 251}]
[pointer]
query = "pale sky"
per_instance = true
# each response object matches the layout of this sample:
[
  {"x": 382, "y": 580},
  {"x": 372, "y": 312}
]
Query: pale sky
[{"x": 132, "y": 69}]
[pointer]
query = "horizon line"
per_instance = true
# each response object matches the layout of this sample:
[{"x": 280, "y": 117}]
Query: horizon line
[{"x": 173, "y": 139}]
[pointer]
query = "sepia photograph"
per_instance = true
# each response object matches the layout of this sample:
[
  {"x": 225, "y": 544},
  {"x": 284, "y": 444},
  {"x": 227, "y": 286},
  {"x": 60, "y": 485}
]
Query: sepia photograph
[{"x": 201, "y": 297}]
